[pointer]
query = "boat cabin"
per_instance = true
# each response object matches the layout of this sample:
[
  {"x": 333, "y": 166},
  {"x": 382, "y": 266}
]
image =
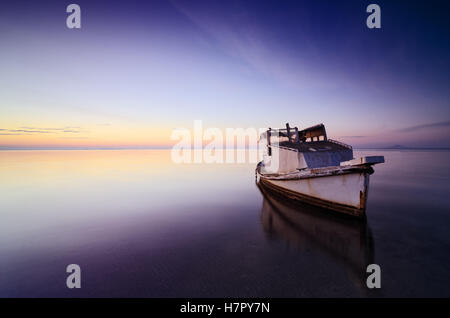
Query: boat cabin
[{"x": 306, "y": 148}]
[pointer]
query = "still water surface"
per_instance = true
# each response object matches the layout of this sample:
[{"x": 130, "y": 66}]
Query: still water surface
[{"x": 141, "y": 226}]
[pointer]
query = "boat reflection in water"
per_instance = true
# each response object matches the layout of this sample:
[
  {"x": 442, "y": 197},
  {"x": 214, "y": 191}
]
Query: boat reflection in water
[{"x": 347, "y": 241}]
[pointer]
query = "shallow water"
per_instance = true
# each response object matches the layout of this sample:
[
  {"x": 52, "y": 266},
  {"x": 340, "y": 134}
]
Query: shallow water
[{"x": 141, "y": 226}]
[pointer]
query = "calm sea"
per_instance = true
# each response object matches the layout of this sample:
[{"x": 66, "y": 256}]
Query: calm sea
[{"x": 139, "y": 225}]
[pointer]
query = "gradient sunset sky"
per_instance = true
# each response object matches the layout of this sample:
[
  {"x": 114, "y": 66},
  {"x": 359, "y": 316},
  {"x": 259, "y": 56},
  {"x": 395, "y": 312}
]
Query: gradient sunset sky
[{"x": 138, "y": 69}]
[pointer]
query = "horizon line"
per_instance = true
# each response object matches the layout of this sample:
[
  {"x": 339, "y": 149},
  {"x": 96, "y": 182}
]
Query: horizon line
[{"x": 169, "y": 147}]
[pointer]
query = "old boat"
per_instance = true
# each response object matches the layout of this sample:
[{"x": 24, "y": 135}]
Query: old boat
[{"x": 305, "y": 165}]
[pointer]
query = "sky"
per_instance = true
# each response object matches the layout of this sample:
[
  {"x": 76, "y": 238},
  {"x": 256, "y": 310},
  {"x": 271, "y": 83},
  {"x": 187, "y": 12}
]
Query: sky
[{"x": 136, "y": 70}]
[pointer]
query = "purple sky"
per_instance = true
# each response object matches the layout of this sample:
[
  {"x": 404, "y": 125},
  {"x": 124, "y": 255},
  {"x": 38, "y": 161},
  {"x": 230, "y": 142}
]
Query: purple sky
[{"x": 138, "y": 67}]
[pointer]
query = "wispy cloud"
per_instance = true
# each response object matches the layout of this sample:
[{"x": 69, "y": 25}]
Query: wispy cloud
[
  {"x": 71, "y": 131},
  {"x": 59, "y": 128},
  {"x": 27, "y": 130},
  {"x": 244, "y": 37},
  {"x": 425, "y": 126}
]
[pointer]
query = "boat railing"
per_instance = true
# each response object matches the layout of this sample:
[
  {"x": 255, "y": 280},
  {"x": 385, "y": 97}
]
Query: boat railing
[
  {"x": 340, "y": 143},
  {"x": 293, "y": 134}
]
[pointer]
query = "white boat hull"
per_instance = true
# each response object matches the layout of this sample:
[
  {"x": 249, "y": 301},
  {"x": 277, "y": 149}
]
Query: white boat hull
[{"x": 344, "y": 192}]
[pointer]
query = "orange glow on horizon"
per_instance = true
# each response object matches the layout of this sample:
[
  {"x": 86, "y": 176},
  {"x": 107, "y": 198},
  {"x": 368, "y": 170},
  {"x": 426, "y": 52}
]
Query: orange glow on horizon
[{"x": 45, "y": 135}]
